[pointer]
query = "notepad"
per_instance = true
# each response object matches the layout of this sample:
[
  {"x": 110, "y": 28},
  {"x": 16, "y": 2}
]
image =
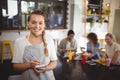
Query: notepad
[{"x": 40, "y": 66}]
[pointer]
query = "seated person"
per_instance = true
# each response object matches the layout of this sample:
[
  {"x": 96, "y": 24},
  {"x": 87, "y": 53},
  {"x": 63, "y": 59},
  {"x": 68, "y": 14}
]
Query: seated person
[
  {"x": 112, "y": 49},
  {"x": 92, "y": 46},
  {"x": 67, "y": 44}
]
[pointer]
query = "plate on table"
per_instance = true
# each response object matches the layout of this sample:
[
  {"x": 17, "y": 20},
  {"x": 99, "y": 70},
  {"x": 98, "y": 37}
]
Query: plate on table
[
  {"x": 90, "y": 62},
  {"x": 77, "y": 57}
]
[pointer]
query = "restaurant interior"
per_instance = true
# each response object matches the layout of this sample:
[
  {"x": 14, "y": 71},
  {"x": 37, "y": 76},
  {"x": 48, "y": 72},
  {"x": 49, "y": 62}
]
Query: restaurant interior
[{"x": 81, "y": 16}]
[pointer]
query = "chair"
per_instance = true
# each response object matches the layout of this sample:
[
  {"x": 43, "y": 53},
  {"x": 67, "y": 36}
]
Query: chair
[{"x": 4, "y": 43}]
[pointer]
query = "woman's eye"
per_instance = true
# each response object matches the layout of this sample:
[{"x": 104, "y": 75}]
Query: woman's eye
[
  {"x": 40, "y": 23},
  {"x": 33, "y": 22}
]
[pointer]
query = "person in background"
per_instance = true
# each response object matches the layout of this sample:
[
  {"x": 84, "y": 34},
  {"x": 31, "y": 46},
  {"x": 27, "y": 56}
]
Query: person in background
[
  {"x": 67, "y": 44},
  {"x": 34, "y": 54},
  {"x": 92, "y": 46},
  {"x": 112, "y": 49}
]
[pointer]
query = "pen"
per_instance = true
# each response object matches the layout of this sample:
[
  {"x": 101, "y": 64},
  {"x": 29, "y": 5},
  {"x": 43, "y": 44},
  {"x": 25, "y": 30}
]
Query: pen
[{"x": 32, "y": 56}]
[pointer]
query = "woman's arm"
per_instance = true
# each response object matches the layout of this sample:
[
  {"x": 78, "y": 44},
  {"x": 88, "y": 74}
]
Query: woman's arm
[
  {"x": 115, "y": 57},
  {"x": 21, "y": 66},
  {"x": 25, "y": 66},
  {"x": 52, "y": 65}
]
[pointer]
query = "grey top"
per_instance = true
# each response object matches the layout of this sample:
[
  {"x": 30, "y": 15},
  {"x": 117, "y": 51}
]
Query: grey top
[{"x": 36, "y": 52}]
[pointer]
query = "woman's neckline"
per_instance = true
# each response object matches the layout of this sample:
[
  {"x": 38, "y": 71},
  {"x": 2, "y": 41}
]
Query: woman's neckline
[{"x": 28, "y": 39}]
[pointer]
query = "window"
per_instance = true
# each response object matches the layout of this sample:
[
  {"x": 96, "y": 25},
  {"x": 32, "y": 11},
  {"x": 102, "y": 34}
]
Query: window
[{"x": 15, "y": 16}]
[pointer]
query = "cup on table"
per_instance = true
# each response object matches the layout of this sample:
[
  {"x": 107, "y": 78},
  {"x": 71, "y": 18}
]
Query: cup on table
[
  {"x": 108, "y": 61},
  {"x": 84, "y": 59}
]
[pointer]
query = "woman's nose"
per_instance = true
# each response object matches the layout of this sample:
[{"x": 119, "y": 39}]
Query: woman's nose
[{"x": 37, "y": 25}]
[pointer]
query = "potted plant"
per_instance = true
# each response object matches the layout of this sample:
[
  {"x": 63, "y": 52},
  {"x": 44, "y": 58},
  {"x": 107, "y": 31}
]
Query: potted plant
[
  {"x": 101, "y": 19},
  {"x": 91, "y": 21}
]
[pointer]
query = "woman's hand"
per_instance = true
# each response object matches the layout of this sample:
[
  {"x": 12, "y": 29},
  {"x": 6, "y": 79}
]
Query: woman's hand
[
  {"x": 50, "y": 66},
  {"x": 103, "y": 55},
  {"x": 39, "y": 70},
  {"x": 33, "y": 63},
  {"x": 64, "y": 50},
  {"x": 90, "y": 55}
]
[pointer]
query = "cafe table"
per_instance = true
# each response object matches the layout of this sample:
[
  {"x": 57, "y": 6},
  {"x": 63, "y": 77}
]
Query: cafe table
[
  {"x": 75, "y": 70},
  {"x": 101, "y": 71},
  {"x": 91, "y": 70},
  {"x": 69, "y": 70}
]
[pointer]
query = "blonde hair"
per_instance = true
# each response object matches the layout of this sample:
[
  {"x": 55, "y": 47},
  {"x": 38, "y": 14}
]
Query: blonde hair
[
  {"x": 45, "y": 44},
  {"x": 111, "y": 36},
  {"x": 37, "y": 12}
]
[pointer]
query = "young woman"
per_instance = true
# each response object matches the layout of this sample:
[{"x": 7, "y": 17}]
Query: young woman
[
  {"x": 112, "y": 49},
  {"x": 93, "y": 45},
  {"x": 35, "y": 49}
]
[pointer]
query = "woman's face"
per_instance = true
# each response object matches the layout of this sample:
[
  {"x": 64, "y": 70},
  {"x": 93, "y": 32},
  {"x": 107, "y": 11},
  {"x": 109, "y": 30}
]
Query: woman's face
[
  {"x": 90, "y": 40},
  {"x": 70, "y": 36},
  {"x": 36, "y": 24},
  {"x": 108, "y": 40}
]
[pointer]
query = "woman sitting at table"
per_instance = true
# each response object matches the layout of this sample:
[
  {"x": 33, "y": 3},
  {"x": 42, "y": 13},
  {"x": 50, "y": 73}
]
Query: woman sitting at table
[
  {"x": 112, "y": 49},
  {"x": 92, "y": 46},
  {"x": 67, "y": 44}
]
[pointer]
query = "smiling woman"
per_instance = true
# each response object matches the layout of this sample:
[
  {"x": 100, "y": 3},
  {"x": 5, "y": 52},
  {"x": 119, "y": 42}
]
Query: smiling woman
[
  {"x": 36, "y": 24},
  {"x": 35, "y": 49}
]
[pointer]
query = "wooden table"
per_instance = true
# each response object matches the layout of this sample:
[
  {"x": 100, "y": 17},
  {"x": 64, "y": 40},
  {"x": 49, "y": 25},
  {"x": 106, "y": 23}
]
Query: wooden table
[
  {"x": 73, "y": 70},
  {"x": 102, "y": 72}
]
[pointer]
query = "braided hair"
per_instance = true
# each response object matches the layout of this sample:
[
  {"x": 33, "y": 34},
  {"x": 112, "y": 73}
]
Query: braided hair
[{"x": 45, "y": 44}]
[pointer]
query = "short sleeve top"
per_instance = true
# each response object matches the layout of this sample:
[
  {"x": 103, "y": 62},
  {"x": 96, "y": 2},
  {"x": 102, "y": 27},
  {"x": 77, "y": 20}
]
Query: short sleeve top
[{"x": 22, "y": 42}]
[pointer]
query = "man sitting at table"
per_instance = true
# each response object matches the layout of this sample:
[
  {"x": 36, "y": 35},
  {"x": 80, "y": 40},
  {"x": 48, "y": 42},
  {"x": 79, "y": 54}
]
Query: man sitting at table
[
  {"x": 67, "y": 44},
  {"x": 112, "y": 49}
]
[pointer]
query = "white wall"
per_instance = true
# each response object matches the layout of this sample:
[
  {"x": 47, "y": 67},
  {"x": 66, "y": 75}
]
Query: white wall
[
  {"x": 116, "y": 29},
  {"x": 78, "y": 25},
  {"x": 115, "y": 4}
]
